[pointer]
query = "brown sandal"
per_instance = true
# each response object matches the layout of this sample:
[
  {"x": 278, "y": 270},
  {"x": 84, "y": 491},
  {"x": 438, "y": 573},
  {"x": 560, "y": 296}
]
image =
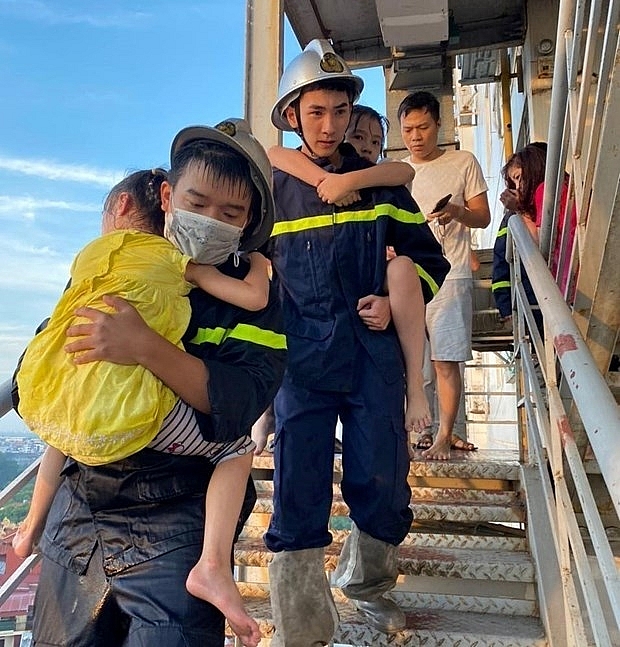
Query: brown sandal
[
  {"x": 425, "y": 441},
  {"x": 464, "y": 445}
]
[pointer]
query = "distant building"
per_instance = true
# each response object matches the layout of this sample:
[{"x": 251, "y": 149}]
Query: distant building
[{"x": 16, "y": 612}]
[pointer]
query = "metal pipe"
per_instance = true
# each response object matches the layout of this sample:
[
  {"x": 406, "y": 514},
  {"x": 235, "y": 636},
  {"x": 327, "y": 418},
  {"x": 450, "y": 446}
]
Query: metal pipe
[
  {"x": 506, "y": 110},
  {"x": 559, "y": 94},
  {"x": 597, "y": 407}
]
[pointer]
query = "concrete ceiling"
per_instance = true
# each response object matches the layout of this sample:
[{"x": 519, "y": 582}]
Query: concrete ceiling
[{"x": 408, "y": 36}]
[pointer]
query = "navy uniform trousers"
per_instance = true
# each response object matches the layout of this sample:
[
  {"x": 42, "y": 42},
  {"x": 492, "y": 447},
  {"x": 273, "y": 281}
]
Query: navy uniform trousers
[{"x": 375, "y": 460}]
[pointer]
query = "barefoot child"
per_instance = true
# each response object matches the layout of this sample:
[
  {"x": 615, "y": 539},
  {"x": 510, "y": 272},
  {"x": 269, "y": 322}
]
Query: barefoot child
[
  {"x": 70, "y": 408},
  {"x": 366, "y": 133}
]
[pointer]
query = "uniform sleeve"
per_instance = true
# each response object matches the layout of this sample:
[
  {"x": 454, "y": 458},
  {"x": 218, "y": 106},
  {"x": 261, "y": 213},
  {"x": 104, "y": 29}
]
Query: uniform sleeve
[
  {"x": 500, "y": 282},
  {"x": 409, "y": 234},
  {"x": 244, "y": 374}
]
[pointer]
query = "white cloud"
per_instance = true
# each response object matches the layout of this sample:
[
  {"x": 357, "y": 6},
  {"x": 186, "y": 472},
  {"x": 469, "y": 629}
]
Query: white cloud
[
  {"x": 26, "y": 206},
  {"x": 55, "y": 171},
  {"x": 57, "y": 15}
]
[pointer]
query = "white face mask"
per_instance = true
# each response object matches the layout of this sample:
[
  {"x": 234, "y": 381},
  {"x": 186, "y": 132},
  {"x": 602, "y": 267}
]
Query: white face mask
[{"x": 206, "y": 240}]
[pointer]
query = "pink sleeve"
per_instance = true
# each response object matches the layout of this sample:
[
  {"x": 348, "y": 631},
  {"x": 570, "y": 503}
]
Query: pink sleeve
[{"x": 538, "y": 202}]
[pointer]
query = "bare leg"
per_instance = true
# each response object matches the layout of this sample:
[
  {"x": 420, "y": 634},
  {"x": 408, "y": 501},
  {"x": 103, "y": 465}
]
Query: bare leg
[
  {"x": 264, "y": 426},
  {"x": 211, "y": 579},
  {"x": 45, "y": 486},
  {"x": 449, "y": 385},
  {"x": 407, "y": 306}
]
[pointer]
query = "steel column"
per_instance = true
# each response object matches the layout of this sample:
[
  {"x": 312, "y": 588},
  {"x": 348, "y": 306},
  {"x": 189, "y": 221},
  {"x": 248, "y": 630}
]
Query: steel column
[{"x": 263, "y": 66}]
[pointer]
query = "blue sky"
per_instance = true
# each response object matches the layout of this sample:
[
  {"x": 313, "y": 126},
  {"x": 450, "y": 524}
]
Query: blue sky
[{"x": 91, "y": 91}]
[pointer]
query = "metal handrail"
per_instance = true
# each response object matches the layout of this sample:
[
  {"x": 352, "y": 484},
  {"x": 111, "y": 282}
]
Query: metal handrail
[
  {"x": 7, "y": 493},
  {"x": 550, "y": 440},
  {"x": 595, "y": 402}
]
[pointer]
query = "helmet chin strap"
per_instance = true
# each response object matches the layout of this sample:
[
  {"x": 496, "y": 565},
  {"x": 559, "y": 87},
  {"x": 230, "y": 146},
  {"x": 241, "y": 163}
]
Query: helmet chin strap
[{"x": 299, "y": 130}]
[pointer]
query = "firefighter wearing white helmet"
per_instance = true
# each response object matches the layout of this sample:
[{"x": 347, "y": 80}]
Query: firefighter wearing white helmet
[
  {"x": 318, "y": 62},
  {"x": 329, "y": 267}
]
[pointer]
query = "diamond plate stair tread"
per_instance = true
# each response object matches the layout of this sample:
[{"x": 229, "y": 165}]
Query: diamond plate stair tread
[
  {"x": 435, "y": 601},
  {"x": 504, "y": 566},
  {"x": 425, "y": 627},
  {"x": 493, "y": 464},
  {"x": 429, "y": 494},
  {"x": 421, "y": 538},
  {"x": 462, "y": 511}
]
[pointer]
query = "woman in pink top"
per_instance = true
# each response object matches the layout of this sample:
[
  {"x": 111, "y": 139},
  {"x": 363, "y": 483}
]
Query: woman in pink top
[{"x": 524, "y": 174}]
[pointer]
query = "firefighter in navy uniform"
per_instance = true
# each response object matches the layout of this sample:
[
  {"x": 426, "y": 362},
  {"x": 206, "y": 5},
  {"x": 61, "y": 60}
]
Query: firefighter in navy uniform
[
  {"x": 326, "y": 259},
  {"x": 121, "y": 538}
]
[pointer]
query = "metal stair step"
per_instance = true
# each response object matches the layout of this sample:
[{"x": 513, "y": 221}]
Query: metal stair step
[
  {"x": 425, "y": 626},
  {"x": 433, "y": 493},
  {"x": 481, "y": 464},
  {"x": 422, "y": 510},
  {"x": 471, "y": 564},
  {"x": 429, "y": 539},
  {"x": 486, "y": 602}
]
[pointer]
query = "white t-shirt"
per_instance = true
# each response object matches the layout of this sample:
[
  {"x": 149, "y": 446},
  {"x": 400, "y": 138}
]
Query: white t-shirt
[{"x": 458, "y": 173}]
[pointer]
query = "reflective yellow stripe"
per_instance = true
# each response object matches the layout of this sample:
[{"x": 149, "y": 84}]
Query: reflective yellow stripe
[
  {"x": 502, "y": 232},
  {"x": 255, "y": 335},
  {"x": 402, "y": 215},
  {"x": 241, "y": 332},
  {"x": 499, "y": 285},
  {"x": 425, "y": 276},
  {"x": 344, "y": 217},
  {"x": 209, "y": 336},
  {"x": 301, "y": 224}
]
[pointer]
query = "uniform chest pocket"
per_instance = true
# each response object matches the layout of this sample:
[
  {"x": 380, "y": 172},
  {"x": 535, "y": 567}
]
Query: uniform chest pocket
[{"x": 310, "y": 329}]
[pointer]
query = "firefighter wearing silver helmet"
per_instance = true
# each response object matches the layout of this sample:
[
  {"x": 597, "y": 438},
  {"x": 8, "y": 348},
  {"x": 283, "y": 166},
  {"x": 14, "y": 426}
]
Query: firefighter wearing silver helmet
[
  {"x": 327, "y": 260},
  {"x": 317, "y": 63}
]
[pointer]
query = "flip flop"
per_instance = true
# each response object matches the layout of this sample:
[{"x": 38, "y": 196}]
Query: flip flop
[
  {"x": 425, "y": 441},
  {"x": 464, "y": 445}
]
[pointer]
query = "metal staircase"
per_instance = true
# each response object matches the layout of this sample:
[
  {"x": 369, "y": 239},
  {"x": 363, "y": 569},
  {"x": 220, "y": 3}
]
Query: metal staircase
[{"x": 466, "y": 575}]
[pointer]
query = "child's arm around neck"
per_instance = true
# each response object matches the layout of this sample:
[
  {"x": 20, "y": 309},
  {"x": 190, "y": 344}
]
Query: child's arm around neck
[
  {"x": 339, "y": 188},
  {"x": 250, "y": 293},
  {"x": 297, "y": 164}
]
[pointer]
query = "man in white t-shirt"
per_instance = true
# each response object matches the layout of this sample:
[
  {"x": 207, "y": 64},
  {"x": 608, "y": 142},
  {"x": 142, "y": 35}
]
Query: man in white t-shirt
[{"x": 440, "y": 172}]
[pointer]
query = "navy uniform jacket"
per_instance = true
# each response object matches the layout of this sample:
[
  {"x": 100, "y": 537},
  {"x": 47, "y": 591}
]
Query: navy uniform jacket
[
  {"x": 152, "y": 502},
  {"x": 500, "y": 285},
  {"x": 326, "y": 258}
]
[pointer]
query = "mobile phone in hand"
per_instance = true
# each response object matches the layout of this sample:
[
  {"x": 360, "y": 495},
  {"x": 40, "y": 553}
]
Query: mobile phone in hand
[{"x": 441, "y": 203}]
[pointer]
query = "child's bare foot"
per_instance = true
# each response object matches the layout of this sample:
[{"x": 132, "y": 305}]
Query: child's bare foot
[
  {"x": 439, "y": 450},
  {"x": 24, "y": 540},
  {"x": 214, "y": 584},
  {"x": 417, "y": 413}
]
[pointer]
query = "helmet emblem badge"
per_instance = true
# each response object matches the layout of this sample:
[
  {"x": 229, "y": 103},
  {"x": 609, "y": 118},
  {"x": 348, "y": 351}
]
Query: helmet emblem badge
[
  {"x": 228, "y": 128},
  {"x": 331, "y": 63}
]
